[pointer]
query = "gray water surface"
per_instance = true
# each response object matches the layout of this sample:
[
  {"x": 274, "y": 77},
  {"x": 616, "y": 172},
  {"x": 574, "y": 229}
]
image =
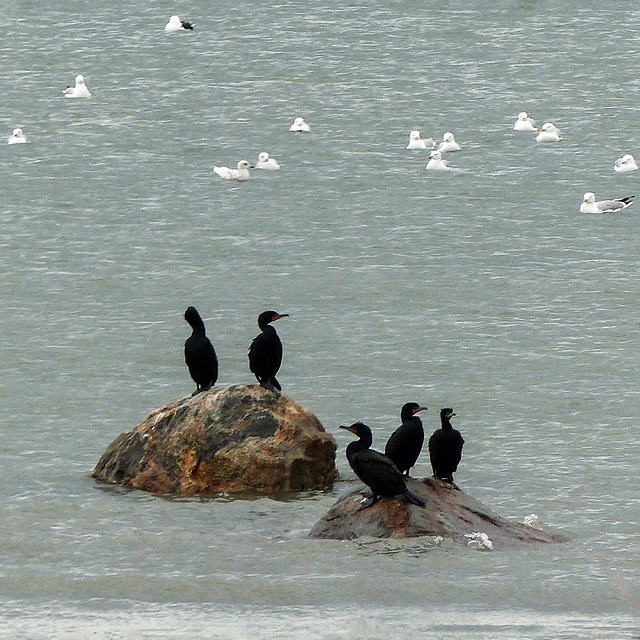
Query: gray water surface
[{"x": 483, "y": 289}]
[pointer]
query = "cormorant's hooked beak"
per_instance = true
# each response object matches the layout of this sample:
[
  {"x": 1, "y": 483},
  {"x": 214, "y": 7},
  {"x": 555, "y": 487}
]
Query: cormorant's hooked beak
[
  {"x": 419, "y": 409},
  {"x": 347, "y": 429},
  {"x": 277, "y": 316}
]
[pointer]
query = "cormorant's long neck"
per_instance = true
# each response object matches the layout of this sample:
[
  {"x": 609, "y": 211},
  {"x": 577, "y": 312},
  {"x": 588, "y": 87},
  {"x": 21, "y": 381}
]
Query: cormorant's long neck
[
  {"x": 198, "y": 326},
  {"x": 405, "y": 416},
  {"x": 446, "y": 425},
  {"x": 364, "y": 442},
  {"x": 413, "y": 421}
]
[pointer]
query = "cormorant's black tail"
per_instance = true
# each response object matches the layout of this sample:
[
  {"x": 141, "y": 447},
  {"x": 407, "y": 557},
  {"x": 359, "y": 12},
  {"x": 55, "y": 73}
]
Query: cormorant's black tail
[{"x": 413, "y": 498}]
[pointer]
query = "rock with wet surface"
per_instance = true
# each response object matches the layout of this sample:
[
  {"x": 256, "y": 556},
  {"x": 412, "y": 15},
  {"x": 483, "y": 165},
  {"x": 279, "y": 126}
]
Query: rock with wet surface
[
  {"x": 450, "y": 513},
  {"x": 240, "y": 438}
]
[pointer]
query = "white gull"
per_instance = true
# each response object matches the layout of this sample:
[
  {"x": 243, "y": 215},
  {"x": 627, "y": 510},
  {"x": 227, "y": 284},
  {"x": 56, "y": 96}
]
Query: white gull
[
  {"x": 549, "y": 133},
  {"x": 448, "y": 143},
  {"x": 265, "y": 161},
  {"x": 241, "y": 173},
  {"x": 79, "y": 91},
  {"x": 416, "y": 142},
  {"x": 299, "y": 125},
  {"x": 436, "y": 163},
  {"x": 524, "y": 122},
  {"x": 589, "y": 204},
  {"x": 17, "y": 137},
  {"x": 175, "y": 24},
  {"x": 625, "y": 164}
]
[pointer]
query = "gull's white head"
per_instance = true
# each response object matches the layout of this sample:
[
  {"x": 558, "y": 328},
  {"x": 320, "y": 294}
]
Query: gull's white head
[
  {"x": 627, "y": 158},
  {"x": 548, "y": 126},
  {"x": 448, "y": 137},
  {"x": 523, "y": 115},
  {"x": 263, "y": 156},
  {"x": 243, "y": 164},
  {"x": 415, "y": 135},
  {"x": 435, "y": 155},
  {"x": 79, "y": 79},
  {"x": 17, "y": 132},
  {"x": 589, "y": 197}
]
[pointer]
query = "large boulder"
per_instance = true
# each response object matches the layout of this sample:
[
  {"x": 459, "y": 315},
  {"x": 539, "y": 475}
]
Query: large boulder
[
  {"x": 231, "y": 439},
  {"x": 449, "y": 513}
]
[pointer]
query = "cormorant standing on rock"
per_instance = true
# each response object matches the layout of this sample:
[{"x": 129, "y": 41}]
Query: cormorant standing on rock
[
  {"x": 199, "y": 353},
  {"x": 445, "y": 448},
  {"x": 265, "y": 352},
  {"x": 405, "y": 444},
  {"x": 377, "y": 471}
]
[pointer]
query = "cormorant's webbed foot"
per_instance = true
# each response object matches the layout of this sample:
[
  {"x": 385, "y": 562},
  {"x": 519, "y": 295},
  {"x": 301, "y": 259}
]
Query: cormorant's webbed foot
[
  {"x": 269, "y": 386},
  {"x": 368, "y": 502},
  {"x": 201, "y": 389},
  {"x": 449, "y": 481}
]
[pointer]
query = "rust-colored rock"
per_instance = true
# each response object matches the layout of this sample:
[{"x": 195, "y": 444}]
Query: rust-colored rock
[
  {"x": 232, "y": 439},
  {"x": 449, "y": 513}
]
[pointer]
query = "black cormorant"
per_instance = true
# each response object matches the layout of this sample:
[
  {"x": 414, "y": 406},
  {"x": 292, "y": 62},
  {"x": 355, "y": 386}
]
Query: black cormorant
[
  {"x": 199, "y": 353},
  {"x": 265, "y": 352},
  {"x": 445, "y": 448},
  {"x": 377, "y": 471},
  {"x": 405, "y": 444}
]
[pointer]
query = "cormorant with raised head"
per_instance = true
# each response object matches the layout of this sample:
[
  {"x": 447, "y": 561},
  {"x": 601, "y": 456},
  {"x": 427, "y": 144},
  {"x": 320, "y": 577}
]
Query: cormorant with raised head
[
  {"x": 265, "y": 352},
  {"x": 445, "y": 448},
  {"x": 199, "y": 353},
  {"x": 377, "y": 471},
  {"x": 405, "y": 444}
]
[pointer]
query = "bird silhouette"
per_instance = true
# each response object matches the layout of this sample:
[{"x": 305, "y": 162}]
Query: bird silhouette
[
  {"x": 265, "y": 352},
  {"x": 376, "y": 470},
  {"x": 405, "y": 443},
  {"x": 445, "y": 448},
  {"x": 199, "y": 353}
]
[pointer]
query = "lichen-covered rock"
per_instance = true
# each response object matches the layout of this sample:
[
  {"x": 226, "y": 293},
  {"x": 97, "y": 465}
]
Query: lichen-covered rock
[
  {"x": 449, "y": 513},
  {"x": 232, "y": 439}
]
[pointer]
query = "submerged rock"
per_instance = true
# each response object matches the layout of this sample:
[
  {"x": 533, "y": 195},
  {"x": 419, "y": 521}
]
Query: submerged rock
[
  {"x": 450, "y": 513},
  {"x": 233, "y": 439}
]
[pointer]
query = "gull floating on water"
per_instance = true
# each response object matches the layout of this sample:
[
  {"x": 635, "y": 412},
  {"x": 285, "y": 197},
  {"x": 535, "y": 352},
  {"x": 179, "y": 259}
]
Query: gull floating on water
[
  {"x": 265, "y": 161},
  {"x": 549, "y": 133},
  {"x": 524, "y": 122},
  {"x": 175, "y": 24},
  {"x": 299, "y": 125},
  {"x": 416, "y": 142},
  {"x": 589, "y": 204},
  {"x": 625, "y": 164},
  {"x": 241, "y": 173},
  {"x": 79, "y": 91},
  {"x": 436, "y": 163},
  {"x": 17, "y": 137},
  {"x": 448, "y": 143}
]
